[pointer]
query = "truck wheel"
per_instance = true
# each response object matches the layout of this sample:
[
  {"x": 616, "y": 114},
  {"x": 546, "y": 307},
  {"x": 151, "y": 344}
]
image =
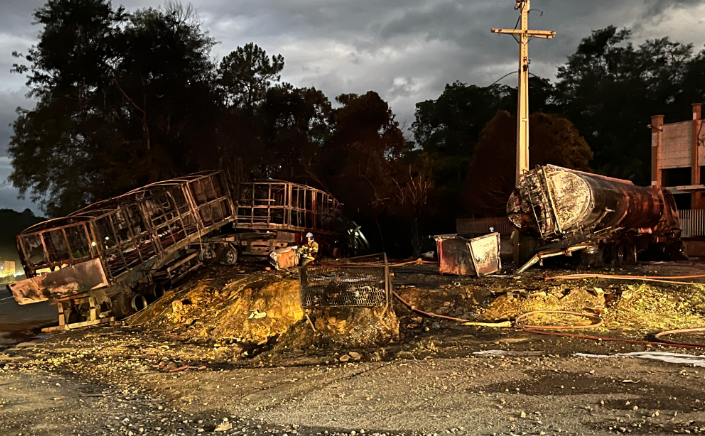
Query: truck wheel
[
  {"x": 138, "y": 302},
  {"x": 206, "y": 255},
  {"x": 159, "y": 290},
  {"x": 229, "y": 256}
]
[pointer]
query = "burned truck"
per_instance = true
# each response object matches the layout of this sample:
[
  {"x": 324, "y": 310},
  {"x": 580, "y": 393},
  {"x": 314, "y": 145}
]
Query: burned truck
[
  {"x": 114, "y": 256},
  {"x": 108, "y": 259},
  {"x": 274, "y": 214},
  {"x": 606, "y": 220}
]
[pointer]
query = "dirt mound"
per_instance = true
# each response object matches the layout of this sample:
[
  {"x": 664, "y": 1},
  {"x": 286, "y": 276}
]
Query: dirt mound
[
  {"x": 356, "y": 326},
  {"x": 255, "y": 309},
  {"x": 652, "y": 307},
  {"x": 639, "y": 307},
  {"x": 251, "y": 309}
]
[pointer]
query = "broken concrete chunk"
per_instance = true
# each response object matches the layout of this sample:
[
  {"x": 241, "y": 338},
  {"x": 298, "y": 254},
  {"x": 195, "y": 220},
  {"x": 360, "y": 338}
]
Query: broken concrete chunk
[{"x": 354, "y": 355}]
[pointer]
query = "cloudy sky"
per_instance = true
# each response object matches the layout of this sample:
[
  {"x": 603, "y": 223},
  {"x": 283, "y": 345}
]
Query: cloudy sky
[{"x": 406, "y": 50}]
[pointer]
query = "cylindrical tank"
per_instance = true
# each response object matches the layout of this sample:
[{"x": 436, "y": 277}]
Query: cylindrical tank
[{"x": 558, "y": 203}]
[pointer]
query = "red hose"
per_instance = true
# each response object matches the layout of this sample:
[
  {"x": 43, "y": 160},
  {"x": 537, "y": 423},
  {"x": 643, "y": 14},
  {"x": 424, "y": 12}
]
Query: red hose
[
  {"x": 681, "y": 331},
  {"x": 597, "y": 319},
  {"x": 664, "y": 279},
  {"x": 627, "y": 341}
]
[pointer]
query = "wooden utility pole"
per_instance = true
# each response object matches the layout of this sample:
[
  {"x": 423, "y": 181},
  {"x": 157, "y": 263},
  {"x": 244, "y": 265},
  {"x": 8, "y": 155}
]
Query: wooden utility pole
[{"x": 522, "y": 36}]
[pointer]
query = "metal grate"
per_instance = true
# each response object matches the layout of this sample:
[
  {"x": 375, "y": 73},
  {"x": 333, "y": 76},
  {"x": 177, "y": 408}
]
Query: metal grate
[{"x": 345, "y": 285}]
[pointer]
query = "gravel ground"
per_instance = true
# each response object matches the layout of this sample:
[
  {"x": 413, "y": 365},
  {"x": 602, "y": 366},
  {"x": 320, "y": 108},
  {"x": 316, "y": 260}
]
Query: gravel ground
[
  {"x": 434, "y": 386},
  {"x": 145, "y": 381}
]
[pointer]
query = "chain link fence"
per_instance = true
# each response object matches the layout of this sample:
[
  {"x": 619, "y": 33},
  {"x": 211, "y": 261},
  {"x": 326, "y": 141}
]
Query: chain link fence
[{"x": 345, "y": 286}]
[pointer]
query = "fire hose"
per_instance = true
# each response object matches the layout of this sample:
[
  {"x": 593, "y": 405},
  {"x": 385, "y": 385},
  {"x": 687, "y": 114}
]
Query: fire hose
[
  {"x": 545, "y": 329},
  {"x": 658, "y": 279}
]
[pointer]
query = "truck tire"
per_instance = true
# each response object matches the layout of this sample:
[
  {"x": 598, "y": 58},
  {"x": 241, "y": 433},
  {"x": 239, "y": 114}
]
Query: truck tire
[
  {"x": 228, "y": 256},
  {"x": 206, "y": 255}
]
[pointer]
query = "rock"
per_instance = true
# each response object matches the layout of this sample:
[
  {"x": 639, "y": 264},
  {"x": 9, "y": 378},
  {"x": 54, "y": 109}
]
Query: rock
[
  {"x": 522, "y": 414},
  {"x": 224, "y": 426},
  {"x": 257, "y": 315},
  {"x": 355, "y": 356},
  {"x": 344, "y": 358}
]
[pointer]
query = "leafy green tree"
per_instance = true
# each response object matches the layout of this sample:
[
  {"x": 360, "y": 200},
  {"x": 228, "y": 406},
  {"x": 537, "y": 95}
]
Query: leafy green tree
[
  {"x": 298, "y": 126},
  {"x": 247, "y": 73},
  {"x": 123, "y": 100},
  {"x": 610, "y": 89},
  {"x": 491, "y": 175}
]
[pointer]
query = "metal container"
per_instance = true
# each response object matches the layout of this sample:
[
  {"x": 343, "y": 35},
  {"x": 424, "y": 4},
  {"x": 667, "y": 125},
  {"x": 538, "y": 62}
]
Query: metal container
[
  {"x": 557, "y": 203},
  {"x": 469, "y": 257}
]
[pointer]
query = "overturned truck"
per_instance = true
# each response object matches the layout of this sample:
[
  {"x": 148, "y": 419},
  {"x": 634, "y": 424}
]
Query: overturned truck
[
  {"x": 114, "y": 256},
  {"x": 606, "y": 220}
]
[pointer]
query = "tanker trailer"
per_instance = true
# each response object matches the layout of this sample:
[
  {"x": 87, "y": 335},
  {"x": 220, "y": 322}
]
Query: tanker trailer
[{"x": 606, "y": 219}]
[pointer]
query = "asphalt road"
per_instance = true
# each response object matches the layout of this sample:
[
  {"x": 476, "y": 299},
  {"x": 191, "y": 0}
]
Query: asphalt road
[{"x": 19, "y": 322}]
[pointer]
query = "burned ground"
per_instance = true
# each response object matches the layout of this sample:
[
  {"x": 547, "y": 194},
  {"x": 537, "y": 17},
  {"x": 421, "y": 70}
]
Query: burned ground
[{"x": 190, "y": 358}]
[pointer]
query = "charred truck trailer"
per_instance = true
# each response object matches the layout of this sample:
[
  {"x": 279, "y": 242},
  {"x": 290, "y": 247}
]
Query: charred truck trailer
[
  {"x": 605, "y": 219},
  {"x": 114, "y": 256}
]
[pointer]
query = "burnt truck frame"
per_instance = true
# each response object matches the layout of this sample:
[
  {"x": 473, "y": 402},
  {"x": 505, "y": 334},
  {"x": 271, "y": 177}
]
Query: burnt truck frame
[
  {"x": 105, "y": 260},
  {"x": 607, "y": 219},
  {"x": 110, "y": 258},
  {"x": 286, "y": 211}
]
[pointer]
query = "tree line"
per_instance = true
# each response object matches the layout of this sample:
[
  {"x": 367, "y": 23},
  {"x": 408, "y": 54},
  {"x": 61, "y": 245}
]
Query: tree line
[{"x": 125, "y": 99}]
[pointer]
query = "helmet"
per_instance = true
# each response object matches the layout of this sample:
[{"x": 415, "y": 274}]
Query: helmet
[{"x": 309, "y": 235}]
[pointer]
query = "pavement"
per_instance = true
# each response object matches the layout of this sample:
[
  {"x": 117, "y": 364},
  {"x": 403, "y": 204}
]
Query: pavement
[{"x": 18, "y": 323}]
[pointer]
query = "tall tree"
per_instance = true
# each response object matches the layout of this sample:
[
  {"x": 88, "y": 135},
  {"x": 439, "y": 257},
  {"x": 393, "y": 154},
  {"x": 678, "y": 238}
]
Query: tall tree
[
  {"x": 609, "y": 89},
  {"x": 122, "y": 101},
  {"x": 298, "y": 126},
  {"x": 366, "y": 143},
  {"x": 246, "y": 74},
  {"x": 490, "y": 181}
]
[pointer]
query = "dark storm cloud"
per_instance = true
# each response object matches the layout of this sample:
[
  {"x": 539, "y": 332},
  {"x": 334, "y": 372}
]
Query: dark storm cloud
[
  {"x": 656, "y": 7},
  {"x": 407, "y": 50}
]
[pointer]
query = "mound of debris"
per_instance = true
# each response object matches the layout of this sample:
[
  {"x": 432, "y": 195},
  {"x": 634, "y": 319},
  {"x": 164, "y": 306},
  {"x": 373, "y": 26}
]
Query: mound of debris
[
  {"x": 251, "y": 309},
  {"x": 256, "y": 309},
  {"x": 623, "y": 306}
]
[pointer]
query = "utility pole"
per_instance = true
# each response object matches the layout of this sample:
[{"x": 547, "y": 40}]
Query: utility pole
[{"x": 522, "y": 36}]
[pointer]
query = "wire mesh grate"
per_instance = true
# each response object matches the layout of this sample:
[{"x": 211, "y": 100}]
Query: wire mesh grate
[{"x": 344, "y": 285}]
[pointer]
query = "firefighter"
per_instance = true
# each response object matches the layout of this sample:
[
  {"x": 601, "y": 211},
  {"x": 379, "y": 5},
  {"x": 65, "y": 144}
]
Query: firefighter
[{"x": 308, "y": 250}]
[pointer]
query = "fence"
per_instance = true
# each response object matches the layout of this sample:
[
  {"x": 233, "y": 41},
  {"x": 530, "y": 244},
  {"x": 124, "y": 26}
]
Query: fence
[
  {"x": 481, "y": 226},
  {"x": 692, "y": 222},
  {"x": 345, "y": 286}
]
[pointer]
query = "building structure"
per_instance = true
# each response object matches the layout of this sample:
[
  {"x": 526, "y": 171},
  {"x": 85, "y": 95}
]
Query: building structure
[
  {"x": 678, "y": 158},
  {"x": 7, "y": 268}
]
